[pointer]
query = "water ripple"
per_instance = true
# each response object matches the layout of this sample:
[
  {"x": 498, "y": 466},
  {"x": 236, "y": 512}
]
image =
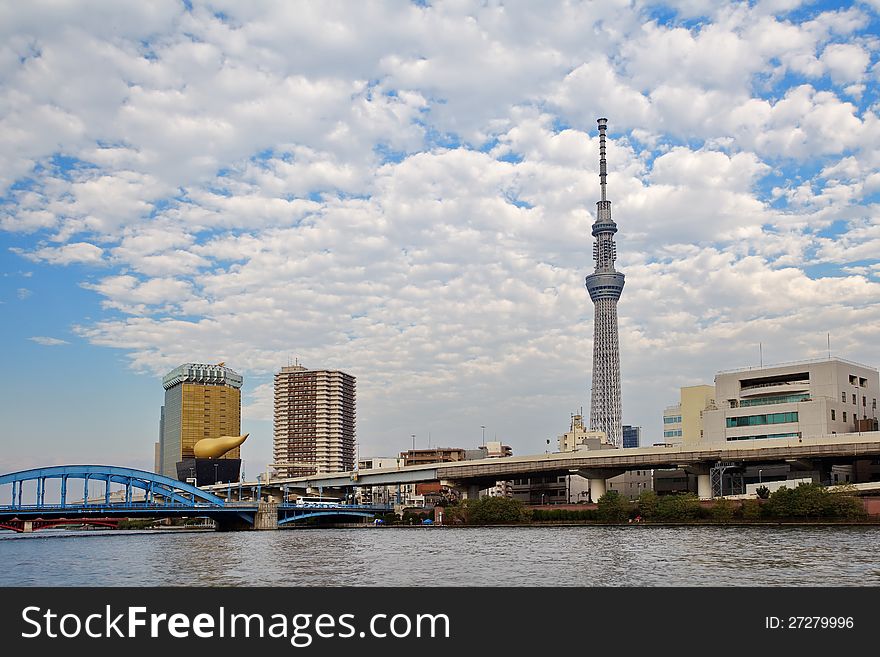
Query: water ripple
[{"x": 526, "y": 556}]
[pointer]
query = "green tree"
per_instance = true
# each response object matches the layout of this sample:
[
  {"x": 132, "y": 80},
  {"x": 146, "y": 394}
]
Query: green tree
[
  {"x": 762, "y": 492},
  {"x": 488, "y": 511},
  {"x": 722, "y": 510},
  {"x": 812, "y": 501},
  {"x": 678, "y": 507},
  {"x": 613, "y": 508},
  {"x": 648, "y": 504},
  {"x": 752, "y": 510}
]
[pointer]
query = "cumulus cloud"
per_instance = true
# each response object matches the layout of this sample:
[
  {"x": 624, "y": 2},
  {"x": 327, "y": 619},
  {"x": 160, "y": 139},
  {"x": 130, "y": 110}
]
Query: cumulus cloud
[{"x": 79, "y": 252}]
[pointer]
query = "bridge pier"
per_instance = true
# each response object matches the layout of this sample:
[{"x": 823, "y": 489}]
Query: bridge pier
[
  {"x": 704, "y": 480},
  {"x": 598, "y": 478},
  {"x": 704, "y": 486},
  {"x": 597, "y": 489},
  {"x": 28, "y": 526},
  {"x": 266, "y": 516}
]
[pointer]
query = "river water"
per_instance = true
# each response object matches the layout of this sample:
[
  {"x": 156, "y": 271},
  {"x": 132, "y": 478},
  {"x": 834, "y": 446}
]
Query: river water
[{"x": 435, "y": 556}]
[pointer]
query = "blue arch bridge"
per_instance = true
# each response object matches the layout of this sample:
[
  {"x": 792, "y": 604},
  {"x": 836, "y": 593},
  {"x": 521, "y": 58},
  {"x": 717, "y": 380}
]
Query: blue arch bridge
[{"x": 130, "y": 493}]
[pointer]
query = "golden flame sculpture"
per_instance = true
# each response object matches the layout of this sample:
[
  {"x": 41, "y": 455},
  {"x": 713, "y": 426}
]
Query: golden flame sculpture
[{"x": 213, "y": 448}]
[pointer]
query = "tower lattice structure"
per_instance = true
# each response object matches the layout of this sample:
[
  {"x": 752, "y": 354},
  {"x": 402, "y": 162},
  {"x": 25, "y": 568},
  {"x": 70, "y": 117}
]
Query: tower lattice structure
[{"x": 605, "y": 285}]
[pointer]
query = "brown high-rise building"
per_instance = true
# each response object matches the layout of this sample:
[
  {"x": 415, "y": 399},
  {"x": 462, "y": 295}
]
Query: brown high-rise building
[
  {"x": 314, "y": 422},
  {"x": 201, "y": 401}
]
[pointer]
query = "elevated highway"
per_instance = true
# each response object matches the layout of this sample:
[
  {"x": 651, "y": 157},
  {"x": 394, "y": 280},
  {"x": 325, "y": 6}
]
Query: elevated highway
[{"x": 600, "y": 465}]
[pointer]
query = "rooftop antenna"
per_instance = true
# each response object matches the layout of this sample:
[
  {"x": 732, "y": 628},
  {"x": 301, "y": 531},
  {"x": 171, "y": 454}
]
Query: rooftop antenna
[
  {"x": 829, "y": 346},
  {"x": 761, "y": 353}
]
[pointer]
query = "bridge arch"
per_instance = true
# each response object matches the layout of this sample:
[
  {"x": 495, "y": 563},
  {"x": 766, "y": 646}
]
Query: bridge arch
[
  {"x": 155, "y": 486},
  {"x": 325, "y": 512}
]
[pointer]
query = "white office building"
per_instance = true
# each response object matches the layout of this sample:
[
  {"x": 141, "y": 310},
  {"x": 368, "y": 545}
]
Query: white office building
[{"x": 794, "y": 400}]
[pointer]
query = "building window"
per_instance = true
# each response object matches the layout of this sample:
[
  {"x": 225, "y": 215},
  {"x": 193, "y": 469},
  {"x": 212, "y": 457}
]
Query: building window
[
  {"x": 767, "y": 418},
  {"x": 832, "y": 415},
  {"x": 672, "y": 434},
  {"x": 671, "y": 419},
  {"x": 844, "y": 416},
  {"x": 864, "y": 401},
  {"x": 843, "y": 397},
  {"x": 771, "y": 436},
  {"x": 855, "y": 403},
  {"x": 776, "y": 399}
]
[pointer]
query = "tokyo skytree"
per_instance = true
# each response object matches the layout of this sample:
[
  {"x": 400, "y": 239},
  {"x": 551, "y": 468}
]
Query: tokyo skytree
[{"x": 605, "y": 285}]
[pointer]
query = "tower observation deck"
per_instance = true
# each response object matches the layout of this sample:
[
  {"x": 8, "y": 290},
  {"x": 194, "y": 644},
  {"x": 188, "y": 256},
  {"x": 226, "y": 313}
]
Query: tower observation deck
[{"x": 605, "y": 285}]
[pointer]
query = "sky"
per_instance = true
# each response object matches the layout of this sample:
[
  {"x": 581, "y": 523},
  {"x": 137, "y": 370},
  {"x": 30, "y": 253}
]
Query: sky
[{"x": 404, "y": 191}]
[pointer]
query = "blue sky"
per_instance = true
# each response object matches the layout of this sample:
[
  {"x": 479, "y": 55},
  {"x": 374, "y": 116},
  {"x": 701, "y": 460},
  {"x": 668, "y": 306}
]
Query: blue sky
[{"x": 406, "y": 194}]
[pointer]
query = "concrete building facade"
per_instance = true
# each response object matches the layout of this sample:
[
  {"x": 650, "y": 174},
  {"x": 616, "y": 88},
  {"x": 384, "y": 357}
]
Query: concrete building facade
[
  {"x": 201, "y": 401},
  {"x": 314, "y": 422},
  {"x": 796, "y": 400},
  {"x": 683, "y": 422}
]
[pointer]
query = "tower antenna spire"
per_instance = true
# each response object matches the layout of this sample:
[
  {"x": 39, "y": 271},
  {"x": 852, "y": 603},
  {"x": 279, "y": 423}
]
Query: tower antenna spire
[{"x": 603, "y": 169}]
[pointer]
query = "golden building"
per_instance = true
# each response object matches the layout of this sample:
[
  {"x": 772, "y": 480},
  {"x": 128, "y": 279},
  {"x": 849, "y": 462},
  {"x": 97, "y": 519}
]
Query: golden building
[{"x": 201, "y": 401}]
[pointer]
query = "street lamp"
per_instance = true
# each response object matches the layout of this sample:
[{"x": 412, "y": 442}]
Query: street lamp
[
  {"x": 216, "y": 465},
  {"x": 759, "y": 474},
  {"x": 414, "y": 441},
  {"x": 483, "y": 427}
]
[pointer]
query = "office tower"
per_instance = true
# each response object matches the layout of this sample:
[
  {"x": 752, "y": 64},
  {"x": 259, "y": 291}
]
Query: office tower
[
  {"x": 201, "y": 401},
  {"x": 632, "y": 436},
  {"x": 605, "y": 285},
  {"x": 314, "y": 424}
]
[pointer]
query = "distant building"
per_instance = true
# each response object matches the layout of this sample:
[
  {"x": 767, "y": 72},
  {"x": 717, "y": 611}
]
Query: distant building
[
  {"x": 494, "y": 449},
  {"x": 562, "y": 489},
  {"x": 683, "y": 423},
  {"x": 797, "y": 400},
  {"x": 632, "y": 483},
  {"x": 433, "y": 455},
  {"x": 632, "y": 436},
  {"x": 579, "y": 437},
  {"x": 548, "y": 489},
  {"x": 314, "y": 422},
  {"x": 428, "y": 493},
  {"x": 672, "y": 424},
  {"x": 201, "y": 401},
  {"x": 380, "y": 494}
]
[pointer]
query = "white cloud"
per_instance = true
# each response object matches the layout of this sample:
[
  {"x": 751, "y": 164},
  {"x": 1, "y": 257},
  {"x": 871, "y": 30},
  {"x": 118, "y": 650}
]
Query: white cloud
[
  {"x": 406, "y": 192},
  {"x": 47, "y": 342},
  {"x": 846, "y": 62},
  {"x": 79, "y": 252}
]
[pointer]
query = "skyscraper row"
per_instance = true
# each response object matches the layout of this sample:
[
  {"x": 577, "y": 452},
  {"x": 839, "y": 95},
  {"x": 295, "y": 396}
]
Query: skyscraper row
[{"x": 314, "y": 422}]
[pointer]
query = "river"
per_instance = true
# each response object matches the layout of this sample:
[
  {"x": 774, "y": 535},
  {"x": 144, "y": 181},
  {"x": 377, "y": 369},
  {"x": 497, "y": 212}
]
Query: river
[{"x": 435, "y": 556}]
